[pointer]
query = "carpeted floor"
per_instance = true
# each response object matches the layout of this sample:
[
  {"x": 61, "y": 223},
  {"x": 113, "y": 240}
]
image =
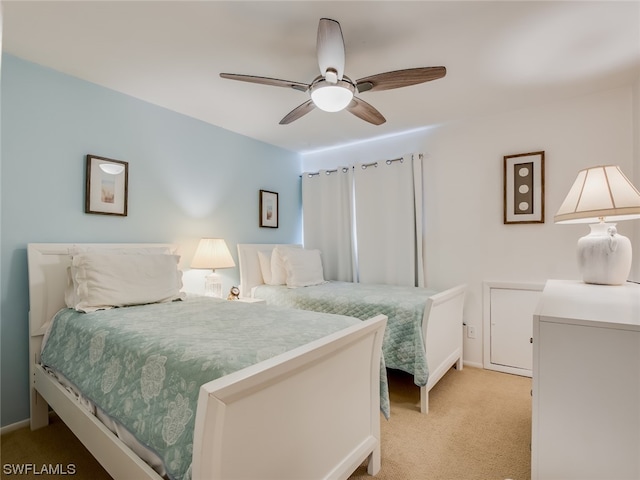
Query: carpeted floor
[{"x": 478, "y": 427}]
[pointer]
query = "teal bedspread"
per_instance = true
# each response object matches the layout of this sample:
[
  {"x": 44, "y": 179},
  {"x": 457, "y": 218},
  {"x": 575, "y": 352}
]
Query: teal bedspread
[
  {"x": 144, "y": 365},
  {"x": 403, "y": 346}
]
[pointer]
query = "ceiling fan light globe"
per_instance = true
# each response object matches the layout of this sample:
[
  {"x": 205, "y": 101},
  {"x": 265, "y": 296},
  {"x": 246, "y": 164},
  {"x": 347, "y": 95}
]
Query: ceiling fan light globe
[{"x": 331, "y": 98}]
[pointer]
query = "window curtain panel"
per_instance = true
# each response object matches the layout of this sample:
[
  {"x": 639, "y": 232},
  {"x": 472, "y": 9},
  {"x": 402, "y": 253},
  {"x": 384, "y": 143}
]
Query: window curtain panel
[
  {"x": 388, "y": 219},
  {"x": 327, "y": 211}
]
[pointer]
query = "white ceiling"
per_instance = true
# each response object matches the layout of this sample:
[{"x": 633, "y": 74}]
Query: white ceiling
[{"x": 499, "y": 56}]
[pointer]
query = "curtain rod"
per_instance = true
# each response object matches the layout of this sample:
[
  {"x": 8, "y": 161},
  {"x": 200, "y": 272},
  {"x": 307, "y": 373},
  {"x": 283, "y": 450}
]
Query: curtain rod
[
  {"x": 364, "y": 166},
  {"x": 328, "y": 172}
]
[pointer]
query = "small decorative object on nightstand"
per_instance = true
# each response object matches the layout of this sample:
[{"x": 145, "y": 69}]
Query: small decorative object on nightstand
[
  {"x": 234, "y": 293},
  {"x": 212, "y": 253}
]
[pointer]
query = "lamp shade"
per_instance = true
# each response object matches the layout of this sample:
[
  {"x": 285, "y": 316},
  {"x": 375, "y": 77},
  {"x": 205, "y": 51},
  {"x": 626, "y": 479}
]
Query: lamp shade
[
  {"x": 212, "y": 253},
  {"x": 601, "y": 192}
]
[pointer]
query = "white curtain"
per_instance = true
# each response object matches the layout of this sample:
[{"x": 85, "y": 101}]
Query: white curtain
[
  {"x": 367, "y": 221},
  {"x": 388, "y": 216},
  {"x": 327, "y": 220}
]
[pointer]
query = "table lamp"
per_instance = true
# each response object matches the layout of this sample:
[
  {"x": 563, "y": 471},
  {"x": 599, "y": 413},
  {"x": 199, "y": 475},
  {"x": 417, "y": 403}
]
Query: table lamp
[
  {"x": 599, "y": 195},
  {"x": 212, "y": 253}
]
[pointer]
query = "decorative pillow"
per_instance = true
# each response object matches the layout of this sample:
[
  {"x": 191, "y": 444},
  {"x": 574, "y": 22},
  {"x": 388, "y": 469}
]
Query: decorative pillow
[
  {"x": 278, "y": 272},
  {"x": 265, "y": 266},
  {"x": 304, "y": 267},
  {"x": 105, "y": 281}
]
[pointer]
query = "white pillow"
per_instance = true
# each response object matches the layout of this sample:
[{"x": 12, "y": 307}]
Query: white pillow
[
  {"x": 265, "y": 266},
  {"x": 304, "y": 267},
  {"x": 104, "y": 281},
  {"x": 127, "y": 250},
  {"x": 278, "y": 272},
  {"x": 70, "y": 296}
]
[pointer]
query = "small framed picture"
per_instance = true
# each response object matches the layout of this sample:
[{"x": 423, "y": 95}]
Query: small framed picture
[
  {"x": 524, "y": 188},
  {"x": 268, "y": 209},
  {"x": 106, "y": 188}
]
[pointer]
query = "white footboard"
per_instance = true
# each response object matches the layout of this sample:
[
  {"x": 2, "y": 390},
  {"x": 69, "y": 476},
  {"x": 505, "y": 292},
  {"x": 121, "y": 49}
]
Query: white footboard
[
  {"x": 313, "y": 412},
  {"x": 442, "y": 333}
]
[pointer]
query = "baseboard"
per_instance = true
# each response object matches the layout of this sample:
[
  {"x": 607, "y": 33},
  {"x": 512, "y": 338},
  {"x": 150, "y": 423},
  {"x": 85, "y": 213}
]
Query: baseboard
[
  {"x": 512, "y": 370},
  {"x": 22, "y": 424},
  {"x": 14, "y": 426},
  {"x": 466, "y": 363}
]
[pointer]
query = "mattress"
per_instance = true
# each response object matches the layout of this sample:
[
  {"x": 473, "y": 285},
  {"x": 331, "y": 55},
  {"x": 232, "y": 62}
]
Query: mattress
[
  {"x": 143, "y": 366},
  {"x": 403, "y": 347}
]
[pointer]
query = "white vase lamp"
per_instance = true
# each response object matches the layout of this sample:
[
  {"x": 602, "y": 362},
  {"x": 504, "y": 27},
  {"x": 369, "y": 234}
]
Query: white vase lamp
[
  {"x": 212, "y": 253},
  {"x": 604, "y": 256},
  {"x": 598, "y": 194}
]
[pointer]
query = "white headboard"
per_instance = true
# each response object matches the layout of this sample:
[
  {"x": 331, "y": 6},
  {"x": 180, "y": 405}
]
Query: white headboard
[{"x": 250, "y": 273}]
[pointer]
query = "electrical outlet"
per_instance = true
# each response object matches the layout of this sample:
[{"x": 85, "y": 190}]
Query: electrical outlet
[{"x": 471, "y": 331}]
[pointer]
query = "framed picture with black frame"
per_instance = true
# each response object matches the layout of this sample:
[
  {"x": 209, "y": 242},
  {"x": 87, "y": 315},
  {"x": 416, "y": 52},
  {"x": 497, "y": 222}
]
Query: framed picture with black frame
[
  {"x": 106, "y": 186},
  {"x": 524, "y": 188},
  {"x": 268, "y": 209}
]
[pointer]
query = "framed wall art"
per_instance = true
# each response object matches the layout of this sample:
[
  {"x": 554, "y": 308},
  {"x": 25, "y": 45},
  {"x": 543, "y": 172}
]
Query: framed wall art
[
  {"x": 106, "y": 187},
  {"x": 268, "y": 209},
  {"x": 524, "y": 188}
]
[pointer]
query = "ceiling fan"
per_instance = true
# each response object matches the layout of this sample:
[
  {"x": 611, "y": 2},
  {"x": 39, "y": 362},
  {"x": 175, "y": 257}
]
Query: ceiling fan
[{"x": 332, "y": 90}]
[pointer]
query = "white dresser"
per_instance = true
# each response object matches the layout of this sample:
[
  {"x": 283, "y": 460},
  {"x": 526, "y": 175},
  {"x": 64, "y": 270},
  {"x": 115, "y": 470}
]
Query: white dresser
[{"x": 586, "y": 382}]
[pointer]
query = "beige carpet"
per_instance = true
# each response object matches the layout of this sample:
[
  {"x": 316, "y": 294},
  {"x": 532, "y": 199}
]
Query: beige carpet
[{"x": 478, "y": 427}]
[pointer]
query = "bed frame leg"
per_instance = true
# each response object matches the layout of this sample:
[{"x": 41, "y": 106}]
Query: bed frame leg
[
  {"x": 39, "y": 411},
  {"x": 373, "y": 466},
  {"x": 424, "y": 400},
  {"x": 459, "y": 364}
]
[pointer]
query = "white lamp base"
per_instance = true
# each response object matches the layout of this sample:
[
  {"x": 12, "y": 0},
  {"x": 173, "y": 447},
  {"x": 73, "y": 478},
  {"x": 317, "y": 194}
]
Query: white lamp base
[
  {"x": 604, "y": 256},
  {"x": 213, "y": 285}
]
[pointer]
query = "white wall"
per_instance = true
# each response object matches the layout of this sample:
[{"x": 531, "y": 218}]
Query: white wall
[{"x": 465, "y": 238}]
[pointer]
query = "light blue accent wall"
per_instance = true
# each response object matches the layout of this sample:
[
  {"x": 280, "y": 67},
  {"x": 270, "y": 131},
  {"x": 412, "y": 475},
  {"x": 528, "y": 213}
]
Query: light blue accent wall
[{"x": 187, "y": 180}]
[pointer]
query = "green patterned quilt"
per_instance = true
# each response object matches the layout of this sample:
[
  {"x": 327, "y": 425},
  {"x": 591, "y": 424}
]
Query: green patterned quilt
[
  {"x": 144, "y": 365},
  {"x": 403, "y": 346}
]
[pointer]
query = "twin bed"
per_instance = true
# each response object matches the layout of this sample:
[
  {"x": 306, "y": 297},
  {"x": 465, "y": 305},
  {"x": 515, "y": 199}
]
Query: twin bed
[
  {"x": 300, "y": 399},
  {"x": 424, "y": 330},
  {"x": 308, "y": 408}
]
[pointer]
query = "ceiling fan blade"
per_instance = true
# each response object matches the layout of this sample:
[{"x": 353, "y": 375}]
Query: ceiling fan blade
[
  {"x": 400, "y": 78},
  {"x": 298, "y": 112},
  {"x": 330, "y": 49},
  {"x": 275, "y": 82},
  {"x": 366, "y": 112}
]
